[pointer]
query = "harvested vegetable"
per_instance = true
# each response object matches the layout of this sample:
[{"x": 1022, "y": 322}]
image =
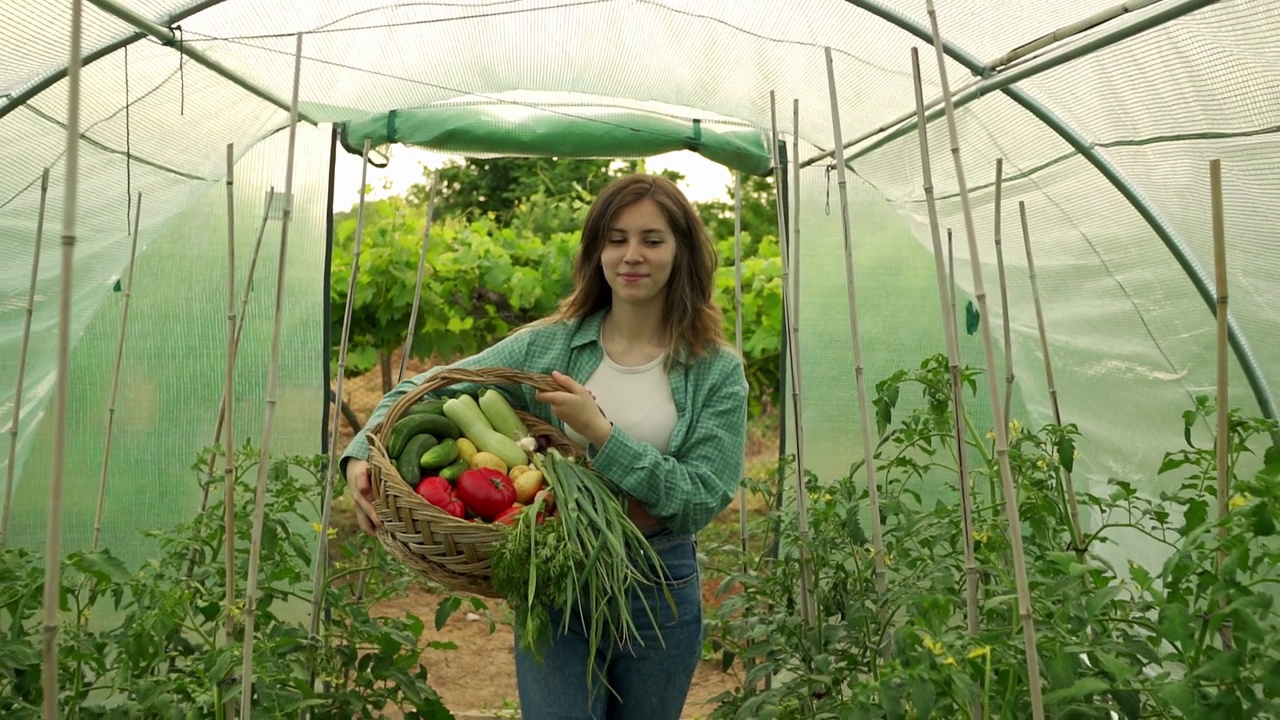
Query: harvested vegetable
[
  {"x": 588, "y": 560},
  {"x": 487, "y": 492}
]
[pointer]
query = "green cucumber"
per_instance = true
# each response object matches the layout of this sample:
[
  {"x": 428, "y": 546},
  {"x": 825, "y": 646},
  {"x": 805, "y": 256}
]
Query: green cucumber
[
  {"x": 440, "y": 455},
  {"x": 435, "y": 407},
  {"x": 452, "y": 472},
  {"x": 501, "y": 415},
  {"x": 407, "y": 463},
  {"x": 417, "y": 423}
]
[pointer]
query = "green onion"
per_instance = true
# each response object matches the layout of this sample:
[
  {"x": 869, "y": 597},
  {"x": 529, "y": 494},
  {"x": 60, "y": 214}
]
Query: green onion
[{"x": 588, "y": 559}]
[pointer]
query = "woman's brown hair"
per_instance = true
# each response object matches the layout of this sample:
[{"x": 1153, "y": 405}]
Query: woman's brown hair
[{"x": 693, "y": 319}]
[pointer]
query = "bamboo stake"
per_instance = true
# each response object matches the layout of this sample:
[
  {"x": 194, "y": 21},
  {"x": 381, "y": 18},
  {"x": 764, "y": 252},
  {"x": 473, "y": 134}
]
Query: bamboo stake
[
  {"x": 1002, "y": 440},
  {"x": 1004, "y": 296},
  {"x": 228, "y": 413},
  {"x": 422, "y": 263},
  {"x": 115, "y": 376},
  {"x": 954, "y": 320},
  {"x": 794, "y": 241},
  {"x": 1223, "y": 459},
  {"x": 949, "y": 330},
  {"x": 10, "y": 469},
  {"x": 255, "y": 547},
  {"x": 224, "y": 402},
  {"x": 864, "y": 415},
  {"x": 737, "y": 334},
  {"x": 319, "y": 570},
  {"x": 1073, "y": 506},
  {"x": 53, "y": 543},
  {"x": 240, "y": 317},
  {"x": 808, "y": 603}
]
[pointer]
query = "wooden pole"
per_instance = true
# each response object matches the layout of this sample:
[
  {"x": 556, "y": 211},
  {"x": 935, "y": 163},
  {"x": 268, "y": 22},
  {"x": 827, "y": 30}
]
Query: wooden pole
[
  {"x": 1073, "y": 506},
  {"x": 808, "y": 603},
  {"x": 115, "y": 376},
  {"x": 859, "y": 369},
  {"x": 1223, "y": 454},
  {"x": 224, "y": 403},
  {"x": 794, "y": 240},
  {"x": 10, "y": 469},
  {"x": 953, "y": 320},
  {"x": 228, "y": 414},
  {"x": 53, "y": 542},
  {"x": 422, "y": 264},
  {"x": 264, "y": 464},
  {"x": 953, "y": 360},
  {"x": 737, "y": 336},
  {"x": 321, "y": 566},
  {"x": 1004, "y": 295},
  {"x": 1002, "y": 440}
]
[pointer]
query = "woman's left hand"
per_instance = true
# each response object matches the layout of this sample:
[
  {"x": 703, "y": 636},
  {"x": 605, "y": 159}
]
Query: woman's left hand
[{"x": 576, "y": 406}]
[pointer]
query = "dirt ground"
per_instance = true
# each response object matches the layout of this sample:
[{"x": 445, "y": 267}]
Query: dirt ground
[{"x": 478, "y": 678}]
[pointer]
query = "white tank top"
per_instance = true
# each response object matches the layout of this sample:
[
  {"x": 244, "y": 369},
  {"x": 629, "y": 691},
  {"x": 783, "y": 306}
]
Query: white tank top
[{"x": 637, "y": 399}]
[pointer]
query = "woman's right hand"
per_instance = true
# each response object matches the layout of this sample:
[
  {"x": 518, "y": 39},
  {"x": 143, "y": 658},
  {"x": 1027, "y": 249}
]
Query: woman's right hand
[{"x": 361, "y": 490}]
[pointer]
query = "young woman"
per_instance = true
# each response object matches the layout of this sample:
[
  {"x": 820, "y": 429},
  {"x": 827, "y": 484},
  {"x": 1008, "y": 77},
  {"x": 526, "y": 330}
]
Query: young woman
[{"x": 650, "y": 389}]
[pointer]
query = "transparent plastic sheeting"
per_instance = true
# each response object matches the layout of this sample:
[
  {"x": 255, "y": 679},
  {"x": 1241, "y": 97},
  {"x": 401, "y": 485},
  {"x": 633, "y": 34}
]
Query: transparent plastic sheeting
[
  {"x": 1110, "y": 376},
  {"x": 1132, "y": 340},
  {"x": 173, "y": 369}
]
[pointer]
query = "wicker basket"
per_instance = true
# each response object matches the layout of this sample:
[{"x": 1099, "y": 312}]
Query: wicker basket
[{"x": 438, "y": 546}]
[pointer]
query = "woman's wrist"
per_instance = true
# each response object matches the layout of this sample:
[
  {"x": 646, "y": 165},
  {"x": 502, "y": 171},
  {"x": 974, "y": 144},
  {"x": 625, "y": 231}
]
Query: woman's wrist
[{"x": 600, "y": 433}]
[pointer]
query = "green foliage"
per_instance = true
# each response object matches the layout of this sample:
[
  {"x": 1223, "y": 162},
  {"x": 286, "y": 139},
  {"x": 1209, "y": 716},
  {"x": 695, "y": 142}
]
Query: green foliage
[
  {"x": 1187, "y": 639},
  {"x": 151, "y": 642},
  {"x": 761, "y": 315},
  {"x": 503, "y": 187},
  {"x": 759, "y": 215},
  {"x": 480, "y": 281}
]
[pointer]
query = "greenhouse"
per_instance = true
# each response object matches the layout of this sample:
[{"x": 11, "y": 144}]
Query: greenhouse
[{"x": 1053, "y": 212}]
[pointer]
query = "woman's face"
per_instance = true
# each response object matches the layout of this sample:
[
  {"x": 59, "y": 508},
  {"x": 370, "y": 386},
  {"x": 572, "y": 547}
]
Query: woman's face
[{"x": 638, "y": 254}]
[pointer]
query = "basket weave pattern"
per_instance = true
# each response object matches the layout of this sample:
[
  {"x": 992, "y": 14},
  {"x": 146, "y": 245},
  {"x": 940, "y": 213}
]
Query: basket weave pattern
[{"x": 439, "y": 547}]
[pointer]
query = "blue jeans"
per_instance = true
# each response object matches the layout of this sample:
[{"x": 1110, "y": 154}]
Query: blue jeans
[{"x": 645, "y": 682}]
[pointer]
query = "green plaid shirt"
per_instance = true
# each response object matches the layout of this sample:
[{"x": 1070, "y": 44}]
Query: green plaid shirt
[{"x": 686, "y": 488}]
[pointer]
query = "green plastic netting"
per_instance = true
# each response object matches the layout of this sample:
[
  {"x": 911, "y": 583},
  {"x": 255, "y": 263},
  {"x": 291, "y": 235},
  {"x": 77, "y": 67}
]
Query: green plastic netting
[{"x": 1109, "y": 151}]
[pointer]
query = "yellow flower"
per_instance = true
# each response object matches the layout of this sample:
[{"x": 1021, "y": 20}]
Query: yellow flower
[
  {"x": 982, "y": 536},
  {"x": 934, "y": 646},
  {"x": 1015, "y": 427},
  {"x": 950, "y": 661},
  {"x": 1238, "y": 501},
  {"x": 1042, "y": 464},
  {"x": 983, "y": 651},
  {"x": 991, "y": 434}
]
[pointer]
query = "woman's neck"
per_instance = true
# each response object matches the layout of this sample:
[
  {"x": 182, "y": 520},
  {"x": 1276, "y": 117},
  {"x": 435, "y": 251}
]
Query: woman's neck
[{"x": 636, "y": 334}]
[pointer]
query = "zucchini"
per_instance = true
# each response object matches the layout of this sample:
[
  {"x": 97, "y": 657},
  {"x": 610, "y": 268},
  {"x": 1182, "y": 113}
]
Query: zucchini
[
  {"x": 452, "y": 472},
  {"x": 466, "y": 413},
  {"x": 501, "y": 415},
  {"x": 439, "y": 455},
  {"x": 417, "y": 423},
  {"x": 435, "y": 407},
  {"x": 407, "y": 463}
]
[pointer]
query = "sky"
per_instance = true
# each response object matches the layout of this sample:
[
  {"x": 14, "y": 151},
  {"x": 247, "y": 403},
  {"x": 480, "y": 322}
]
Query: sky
[{"x": 704, "y": 179}]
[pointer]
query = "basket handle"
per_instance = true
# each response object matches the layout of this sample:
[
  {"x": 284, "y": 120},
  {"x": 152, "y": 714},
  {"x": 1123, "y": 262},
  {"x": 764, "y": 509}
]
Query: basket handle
[{"x": 452, "y": 376}]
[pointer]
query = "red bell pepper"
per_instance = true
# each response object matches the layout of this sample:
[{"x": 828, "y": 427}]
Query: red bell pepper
[
  {"x": 438, "y": 492},
  {"x": 435, "y": 490}
]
